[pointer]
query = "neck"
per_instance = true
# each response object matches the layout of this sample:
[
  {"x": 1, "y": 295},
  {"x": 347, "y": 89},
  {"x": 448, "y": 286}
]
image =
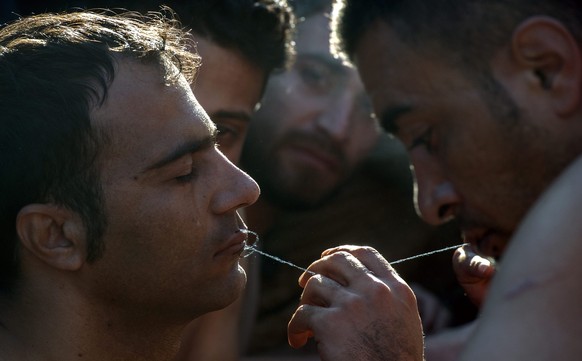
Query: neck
[{"x": 60, "y": 326}]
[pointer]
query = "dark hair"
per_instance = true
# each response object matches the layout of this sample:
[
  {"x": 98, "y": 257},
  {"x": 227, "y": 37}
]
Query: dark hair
[
  {"x": 261, "y": 30},
  {"x": 470, "y": 31},
  {"x": 54, "y": 70},
  {"x": 464, "y": 33}
]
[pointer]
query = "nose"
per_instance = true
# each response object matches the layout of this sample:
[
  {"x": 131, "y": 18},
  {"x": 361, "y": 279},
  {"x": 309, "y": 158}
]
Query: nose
[
  {"x": 238, "y": 189},
  {"x": 436, "y": 199},
  {"x": 336, "y": 116}
]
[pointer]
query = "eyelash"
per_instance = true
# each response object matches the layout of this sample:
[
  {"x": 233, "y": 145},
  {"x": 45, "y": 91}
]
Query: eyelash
[
  {"x": 225, "y": 130},
  {"x": 423, "y": 140},
  {"x": 186, "y": 178}
]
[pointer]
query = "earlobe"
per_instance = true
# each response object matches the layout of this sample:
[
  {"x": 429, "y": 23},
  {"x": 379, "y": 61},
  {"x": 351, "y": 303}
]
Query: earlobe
[
  {"x": 548, "y": 49},
  {"x": 53, "y": 234}
]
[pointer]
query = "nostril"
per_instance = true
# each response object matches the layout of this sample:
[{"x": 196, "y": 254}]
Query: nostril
[{"x": 445, "y": 212}]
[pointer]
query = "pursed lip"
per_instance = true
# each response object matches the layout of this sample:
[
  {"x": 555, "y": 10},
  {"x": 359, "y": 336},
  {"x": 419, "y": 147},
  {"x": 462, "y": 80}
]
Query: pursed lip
[
  {"x": 326, "y": 159},
  {"x": 234, "y": 246},
  {"x": 486, "y": 242}
]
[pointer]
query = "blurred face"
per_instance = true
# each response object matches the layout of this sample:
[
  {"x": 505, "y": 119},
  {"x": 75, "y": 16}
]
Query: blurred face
[
  {"x": 314, "y": 125},
  {"x": 172, "y": 246},
  {"x": 483, "y": 164},
  {"x": 229, "y": 88}
]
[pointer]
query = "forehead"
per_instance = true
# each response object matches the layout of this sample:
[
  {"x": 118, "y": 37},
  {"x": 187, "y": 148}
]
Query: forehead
[
  {"x": 398, "y": 75},
  {"x": 143, "y": 117},
  {"x": 313, "y": 34},
  {"x": 227, "y": 76}
]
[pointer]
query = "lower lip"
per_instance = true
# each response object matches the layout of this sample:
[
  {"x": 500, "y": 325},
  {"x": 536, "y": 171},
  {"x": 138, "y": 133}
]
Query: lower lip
[
  {"x": 234, "y": 250},
  {"x": 484, "y": 241},
  {"x": 314, "y": 159}
]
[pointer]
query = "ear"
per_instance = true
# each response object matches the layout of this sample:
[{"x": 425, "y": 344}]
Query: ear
[
  {"x": 548, "y": 49},
  {"x": 54, "y": 234}
]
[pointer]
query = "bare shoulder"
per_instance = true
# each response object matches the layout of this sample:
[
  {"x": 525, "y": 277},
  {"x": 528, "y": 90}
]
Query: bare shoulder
[
  {"x": 550, "y": 237},
  {"x": 535, "y": 297}
]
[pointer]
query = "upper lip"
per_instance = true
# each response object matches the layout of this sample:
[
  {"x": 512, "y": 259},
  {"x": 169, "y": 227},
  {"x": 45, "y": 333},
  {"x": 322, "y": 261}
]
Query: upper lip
[
  {"x": 473, "y": 236},
  {"x": 483, "y": 242},
  {"x": 331, "y": 160},
  {"x": 234, "y": 244}
]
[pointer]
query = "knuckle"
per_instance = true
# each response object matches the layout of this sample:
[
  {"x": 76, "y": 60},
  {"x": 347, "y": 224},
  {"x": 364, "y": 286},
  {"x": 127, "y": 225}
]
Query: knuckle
[{"x": 364, "y": 251}]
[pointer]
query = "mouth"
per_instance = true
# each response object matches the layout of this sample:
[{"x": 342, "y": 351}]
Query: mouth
[
  {"x": 317, "y": 158},
  {"x": 489, "y": 243},
  {"x": 234, "y": 247}
]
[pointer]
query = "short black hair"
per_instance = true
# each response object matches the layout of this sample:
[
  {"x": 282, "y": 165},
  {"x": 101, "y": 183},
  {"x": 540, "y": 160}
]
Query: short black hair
[
  {"x": 55, "y": 69},
  {"x": 261, "y": 30},
  {"x": 470, "y": 31},
  {"x": 466, "y": 34}
]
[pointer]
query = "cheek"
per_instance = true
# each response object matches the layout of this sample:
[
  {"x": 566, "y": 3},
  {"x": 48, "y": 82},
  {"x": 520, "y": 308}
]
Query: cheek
[
  {"x": 156, "y": 212},
  {"x": 485, "y": 178},
  {"x": 465, "y": 153},
  {"x": 362, "y": 140},
  {"x": 160, "y": 239}
]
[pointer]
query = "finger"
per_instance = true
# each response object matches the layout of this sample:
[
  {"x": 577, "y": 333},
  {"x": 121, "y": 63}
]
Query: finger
[
  {"x": 345, "y": 248},
  {"x": 339, "y": 266},
  {"x": 368, "y": 256},
  {"x": 468, "y": 264},
  {"x": 473, "y": 272},
  {"x": 299, "y": 328},
  {"x": 320, "y": 291}
]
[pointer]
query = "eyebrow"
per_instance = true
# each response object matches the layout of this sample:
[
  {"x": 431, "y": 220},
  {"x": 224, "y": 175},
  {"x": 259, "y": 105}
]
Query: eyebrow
[
  {"x": 183, "y": 149},
  {"x": 389, "y": 118},
  {"x": 231, "y": 114},
  {"x": 335, "y": 65}
]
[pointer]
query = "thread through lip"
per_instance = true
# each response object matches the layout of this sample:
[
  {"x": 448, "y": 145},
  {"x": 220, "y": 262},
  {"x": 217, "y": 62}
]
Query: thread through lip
[{"x": 252, "y": 237}]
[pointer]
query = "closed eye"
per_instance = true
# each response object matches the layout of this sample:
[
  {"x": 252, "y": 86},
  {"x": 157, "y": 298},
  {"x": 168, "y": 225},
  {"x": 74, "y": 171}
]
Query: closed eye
[
  {"x": 228, "y": 134},
  {"x": 186, "y": 178}
]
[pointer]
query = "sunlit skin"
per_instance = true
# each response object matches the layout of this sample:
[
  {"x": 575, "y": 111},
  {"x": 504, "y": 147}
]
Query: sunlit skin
[
  {"x": 484, "y": 171},
  {"x": 171, "y": 245},
  {"x": 171, "y": 198},
  {"x": 229, "y": 88},
  {"x": 314, "y": 125},
  {"x": 500, "y": 151}
]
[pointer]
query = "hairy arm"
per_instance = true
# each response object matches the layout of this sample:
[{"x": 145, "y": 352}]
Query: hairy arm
[{"x": 357, "y": 308}]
